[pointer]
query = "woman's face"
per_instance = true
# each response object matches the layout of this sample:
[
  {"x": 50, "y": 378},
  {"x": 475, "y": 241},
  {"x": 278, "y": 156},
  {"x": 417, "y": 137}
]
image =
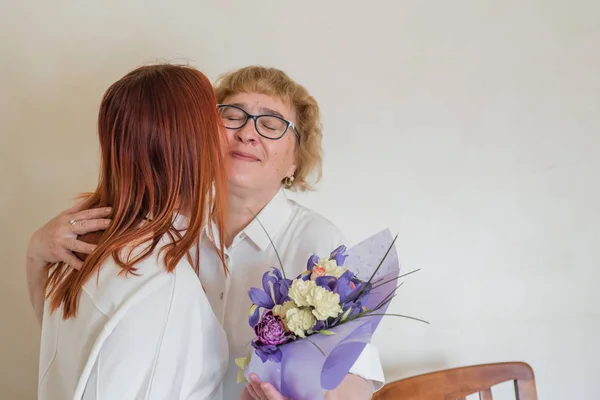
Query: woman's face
[{"x": 256, "y": 162}]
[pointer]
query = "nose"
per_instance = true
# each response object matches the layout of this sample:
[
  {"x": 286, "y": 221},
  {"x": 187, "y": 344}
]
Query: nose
[{"x": 247, "y": 133}]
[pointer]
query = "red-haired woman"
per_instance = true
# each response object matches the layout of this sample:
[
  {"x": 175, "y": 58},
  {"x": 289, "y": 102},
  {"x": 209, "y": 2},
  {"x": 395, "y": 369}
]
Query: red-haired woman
[{"x": 133, "y": 322}]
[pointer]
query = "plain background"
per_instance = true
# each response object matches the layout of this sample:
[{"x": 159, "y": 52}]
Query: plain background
[{"x": 470, "y": 128}]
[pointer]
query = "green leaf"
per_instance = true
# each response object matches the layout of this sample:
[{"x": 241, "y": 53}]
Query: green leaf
[
  {"x": 379, "y": 266},
  {"x": 326, "y": 332},
  {"x": 346, "y": 313}
]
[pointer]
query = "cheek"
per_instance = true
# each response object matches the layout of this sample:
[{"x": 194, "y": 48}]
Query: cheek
[
  {"x": 281, "y": 157},
  {"x": 229, "y": 136}
]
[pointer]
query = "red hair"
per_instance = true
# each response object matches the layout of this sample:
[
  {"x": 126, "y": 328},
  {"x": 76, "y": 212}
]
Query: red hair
[{"x": 162, "y": 148}]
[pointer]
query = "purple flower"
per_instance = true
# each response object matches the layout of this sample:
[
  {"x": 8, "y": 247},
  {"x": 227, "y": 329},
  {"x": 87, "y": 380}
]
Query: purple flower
[
  {"x": 274, "y": 291},
  {"x": 345, "y": 285},
  {"x": 327, "y": 282},
  {"x": 284, "y": 287},
  {"x": 339, "y": 255},
  {"x": 360, "y": 294},
  {"x": 269, "y": 352},
  {"x": 270, "y": 330},
  {"x": 320, "y": 325}
]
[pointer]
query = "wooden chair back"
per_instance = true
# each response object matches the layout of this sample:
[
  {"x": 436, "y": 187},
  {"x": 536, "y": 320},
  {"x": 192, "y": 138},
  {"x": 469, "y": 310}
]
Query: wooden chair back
[{"x": 458, "y": 383}]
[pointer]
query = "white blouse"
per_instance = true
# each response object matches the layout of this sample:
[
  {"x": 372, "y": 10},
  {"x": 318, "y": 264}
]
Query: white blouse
[
  {"x": 152, "y": 336},
  {"x": 297, "y": 233}
]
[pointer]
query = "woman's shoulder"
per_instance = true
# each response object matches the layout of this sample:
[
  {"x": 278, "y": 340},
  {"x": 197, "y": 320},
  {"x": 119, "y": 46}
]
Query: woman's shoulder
[
  {"x": 312, "y": 229},
  {"x": 111, "y": 287},
  {"x": 307, "y": 218}
]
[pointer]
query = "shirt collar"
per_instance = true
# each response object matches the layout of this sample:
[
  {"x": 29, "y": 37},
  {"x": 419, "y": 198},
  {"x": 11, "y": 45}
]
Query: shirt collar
[{"x": 270, "y": 219}]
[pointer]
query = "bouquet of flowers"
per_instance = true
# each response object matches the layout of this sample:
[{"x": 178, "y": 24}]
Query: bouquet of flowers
[{"x": 310, "y": 330}]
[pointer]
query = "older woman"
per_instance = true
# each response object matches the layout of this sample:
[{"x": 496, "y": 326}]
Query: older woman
[{"x": 274, "y": 132}]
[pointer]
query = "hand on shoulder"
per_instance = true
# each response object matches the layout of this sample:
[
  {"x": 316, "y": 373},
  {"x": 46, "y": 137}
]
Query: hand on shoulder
[{"x": 60, "y": 238}]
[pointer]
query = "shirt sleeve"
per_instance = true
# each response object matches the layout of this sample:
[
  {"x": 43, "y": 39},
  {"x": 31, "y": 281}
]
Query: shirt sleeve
[{"x": 368, "y": 366}]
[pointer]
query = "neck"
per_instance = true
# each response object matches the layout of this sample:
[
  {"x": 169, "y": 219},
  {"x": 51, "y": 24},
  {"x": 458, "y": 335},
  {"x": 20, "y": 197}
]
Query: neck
[{"x": 244, "y": 204}]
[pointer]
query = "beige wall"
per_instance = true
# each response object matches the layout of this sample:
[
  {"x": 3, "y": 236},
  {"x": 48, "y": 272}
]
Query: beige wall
[{"x": 482, "y": 119}]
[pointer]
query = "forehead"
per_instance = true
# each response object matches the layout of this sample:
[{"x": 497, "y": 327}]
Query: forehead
[{"x": 258, "y": 103}]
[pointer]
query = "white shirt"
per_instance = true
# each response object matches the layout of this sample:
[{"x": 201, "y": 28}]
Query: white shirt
[
  {"x": 297, "y": 233},
  {"x": 152, "y": 336}
]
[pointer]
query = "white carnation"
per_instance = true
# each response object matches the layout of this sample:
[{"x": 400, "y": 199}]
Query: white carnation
[
  {"x": 331, "y": 267},
  {"x": 299, "y": 290},
  {"x": 326, "y": 304},
  {"x": 281, "y": 310},
  {"x": 300, "y": 320}
]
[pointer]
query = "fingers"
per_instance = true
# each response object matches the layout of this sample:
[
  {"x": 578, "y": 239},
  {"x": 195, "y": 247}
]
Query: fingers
[
  {"x": 252, "y": 392},
  {"x": 90, "y": 220},
  {"x": 270, "y": 392},
  {"x": 78, "y": 246},
  {"x": 91, "y": 225},
  {"x": 57, "y": 236},
  {"x": 91, "y": 214},
  {"x": 77, "y": 207},
  {"x": 263, "y": 390},
  {"x": 254, "y": 387},
  {"x": 246, "y": 395},
  {"x": 69, "y": 258}
]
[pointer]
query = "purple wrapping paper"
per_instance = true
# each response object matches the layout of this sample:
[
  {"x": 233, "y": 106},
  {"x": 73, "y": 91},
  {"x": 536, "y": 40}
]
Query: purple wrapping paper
[{"x": 304, "y": 373}]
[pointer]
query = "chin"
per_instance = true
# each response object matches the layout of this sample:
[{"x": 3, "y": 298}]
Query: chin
[{"x": 242, "y": 182}]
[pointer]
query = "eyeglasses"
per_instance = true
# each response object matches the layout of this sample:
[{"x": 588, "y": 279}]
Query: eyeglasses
[{"x": 268, "y": 126}]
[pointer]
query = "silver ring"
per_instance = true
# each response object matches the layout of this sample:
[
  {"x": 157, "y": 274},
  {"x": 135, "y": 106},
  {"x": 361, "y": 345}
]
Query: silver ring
[{"x": 72, "y": 223}]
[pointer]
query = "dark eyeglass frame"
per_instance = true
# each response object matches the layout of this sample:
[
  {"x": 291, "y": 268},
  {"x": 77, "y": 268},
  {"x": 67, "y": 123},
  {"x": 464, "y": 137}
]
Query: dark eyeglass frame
[{"x": 288, "y": 124}]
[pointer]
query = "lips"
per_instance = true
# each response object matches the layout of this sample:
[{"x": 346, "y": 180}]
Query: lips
[{"x": 240, "y": 155}]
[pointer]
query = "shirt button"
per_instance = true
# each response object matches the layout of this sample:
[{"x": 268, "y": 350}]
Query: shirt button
[{"x": 221, "y": 296}]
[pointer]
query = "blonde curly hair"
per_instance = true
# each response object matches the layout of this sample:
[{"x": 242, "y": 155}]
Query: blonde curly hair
[{"x": 274, "y": 82}]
